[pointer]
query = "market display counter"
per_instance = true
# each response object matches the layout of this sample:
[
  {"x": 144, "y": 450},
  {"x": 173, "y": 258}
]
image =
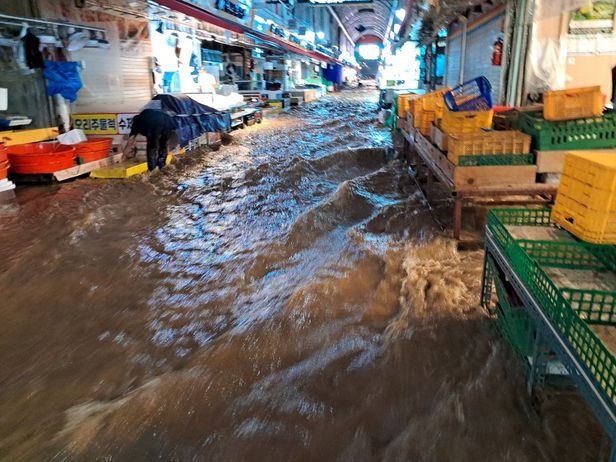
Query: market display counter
[
  {"x": 545, "y": 324},
  {"x": 502, "y": 184}
]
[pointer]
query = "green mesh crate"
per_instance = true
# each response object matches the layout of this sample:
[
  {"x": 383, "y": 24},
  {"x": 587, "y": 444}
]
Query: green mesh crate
[
  {"x": 592, "y": 133},
  {"x": 496, "y": 159},
  {"x": 514, "y": 322},
  {"x": 572, "y": 310}
]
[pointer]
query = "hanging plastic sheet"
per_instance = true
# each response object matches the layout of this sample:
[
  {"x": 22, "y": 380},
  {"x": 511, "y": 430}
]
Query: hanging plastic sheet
[
  {"x": 63, "y": 79},
  {"x": 546, "y": 60}
]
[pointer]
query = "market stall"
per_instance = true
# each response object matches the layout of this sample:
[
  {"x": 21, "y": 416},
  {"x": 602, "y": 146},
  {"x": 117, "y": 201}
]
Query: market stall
[{"x": 449, "y": 137}]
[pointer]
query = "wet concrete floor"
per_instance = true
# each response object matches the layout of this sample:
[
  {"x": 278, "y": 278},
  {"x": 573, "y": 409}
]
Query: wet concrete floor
[{"x": 289, "y": 297}]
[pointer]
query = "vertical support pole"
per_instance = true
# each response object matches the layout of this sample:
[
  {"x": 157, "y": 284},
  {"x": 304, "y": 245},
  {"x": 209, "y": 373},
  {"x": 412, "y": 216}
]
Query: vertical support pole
[
  {"x": 487, "y": 280},
  {"x": 536, "y": 379},
  {"x": 429, "y": 182},
  {"x": 463, "y": 51},
  {"x": 457, "y": 217}
]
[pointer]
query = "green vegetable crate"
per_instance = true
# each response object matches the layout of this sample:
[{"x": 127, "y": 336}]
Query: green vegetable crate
[
  {"x": 591, "y": 133},
  {"x": 514, "y": 323},
  {"x": 573, "y": 282}
]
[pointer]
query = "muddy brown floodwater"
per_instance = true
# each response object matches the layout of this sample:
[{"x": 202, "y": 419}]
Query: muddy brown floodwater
[{"x": 289, "y": 297}]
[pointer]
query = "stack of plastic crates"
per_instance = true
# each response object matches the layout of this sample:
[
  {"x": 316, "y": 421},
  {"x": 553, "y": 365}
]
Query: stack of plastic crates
[
  {"x": 586, "y": 201},
  {"x": 574, "y": 283},
  {"x": 426, "y": 109},
  {"x": 490, "y": 148},
  {"x": 404, "y": 104},
  {"x": 571, "y": 119},
  {"x": 590, "y": 133}
]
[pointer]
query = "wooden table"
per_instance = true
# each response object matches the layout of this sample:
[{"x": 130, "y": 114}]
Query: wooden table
[{"x": 500, "y": 183}]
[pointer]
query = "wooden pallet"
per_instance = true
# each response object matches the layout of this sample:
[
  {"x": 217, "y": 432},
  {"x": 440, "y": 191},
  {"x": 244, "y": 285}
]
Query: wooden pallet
[
  {"x": 508, "y": 184},
  {"x": 471, "y": 177}
]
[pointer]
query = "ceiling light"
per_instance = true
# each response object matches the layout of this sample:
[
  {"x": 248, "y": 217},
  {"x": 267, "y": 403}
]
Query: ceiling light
[
  {"x": 396, "y": 28},
  {"x": 320, "y": 35},
  {"x": 400, "y": 14}
]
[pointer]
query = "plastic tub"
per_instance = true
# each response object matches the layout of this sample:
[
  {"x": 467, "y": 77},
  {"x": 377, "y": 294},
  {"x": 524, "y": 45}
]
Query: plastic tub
[
  {"x": 95, "y": 149},
  {"x": 42, "y": 167},
  {"x": 3, "y": 154},
  {"x": 34, "y": 158},
  {"x": 4, "y": 169},
  {"x": 39, "y": 152}
]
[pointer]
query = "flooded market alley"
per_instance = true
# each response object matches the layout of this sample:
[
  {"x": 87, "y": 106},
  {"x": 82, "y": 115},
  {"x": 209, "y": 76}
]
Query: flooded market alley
[{"x": 288, "y": 297}]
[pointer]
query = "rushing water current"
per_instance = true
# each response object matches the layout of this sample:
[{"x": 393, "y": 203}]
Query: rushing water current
[{"x": 289, "y": 297}]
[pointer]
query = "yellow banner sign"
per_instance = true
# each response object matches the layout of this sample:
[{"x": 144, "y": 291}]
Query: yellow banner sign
[{"x": 95, "y": 124}]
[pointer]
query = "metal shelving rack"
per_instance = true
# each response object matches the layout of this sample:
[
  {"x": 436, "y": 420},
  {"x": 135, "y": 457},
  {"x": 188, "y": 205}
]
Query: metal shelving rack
[{"x": 548, "y": 337}]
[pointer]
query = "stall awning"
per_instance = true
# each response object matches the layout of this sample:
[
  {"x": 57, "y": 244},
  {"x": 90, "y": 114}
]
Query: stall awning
[
  {"x": 210, "y": 18},
  {"x": 293, "y": 49},
  {"x": 201, "y": 15}
]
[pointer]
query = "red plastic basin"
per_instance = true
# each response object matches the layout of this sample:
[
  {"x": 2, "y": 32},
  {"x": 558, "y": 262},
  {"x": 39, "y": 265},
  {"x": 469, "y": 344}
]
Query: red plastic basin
[
  {"x": 94, "y": 149},
  {"x": 48, "y": 167},
  {"x": 3, "y": 155},
  {"x": 4, "y": 169},
  {"x": 35, "y": 153}
]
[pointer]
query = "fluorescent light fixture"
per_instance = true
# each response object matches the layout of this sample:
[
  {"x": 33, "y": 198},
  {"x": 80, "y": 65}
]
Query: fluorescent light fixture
[
  {"x": 320, "y": 35},
  {"x": 396, "y": 28},
  {"x": 310, "y": 35},
  {"x": 259, "y": 18},
  {"x": 401, "y": 14},
  {"x": 392, "y": 36}
]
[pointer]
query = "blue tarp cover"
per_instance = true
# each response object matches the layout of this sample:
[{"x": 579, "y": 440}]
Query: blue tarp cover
[
  {"x": 191, "y": 118},
  {"x": 63, "y": 78}
]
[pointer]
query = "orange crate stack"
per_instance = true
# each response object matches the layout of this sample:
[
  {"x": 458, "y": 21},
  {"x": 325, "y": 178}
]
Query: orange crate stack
[{"x": 575, "y": 103}]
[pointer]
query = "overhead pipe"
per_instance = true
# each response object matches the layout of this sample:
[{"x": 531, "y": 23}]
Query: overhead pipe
[
  {"x": 337, "y": 18},
  {"x": 390, "y": 21}
]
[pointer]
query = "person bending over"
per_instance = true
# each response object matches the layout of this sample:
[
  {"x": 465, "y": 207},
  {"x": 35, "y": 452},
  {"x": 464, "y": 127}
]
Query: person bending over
[{"x": 158, "y": 128}]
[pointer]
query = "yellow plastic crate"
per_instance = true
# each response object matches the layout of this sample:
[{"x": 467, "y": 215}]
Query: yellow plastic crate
[
  {"x": 423, "y": 122},
  {"x": 586, "y": 201},
  {"x": 432, "y": 102},
  {"x": 404, "y": 103},
  {"x": 485, "y": 143},
  {"x": 465, "y": 122},
  {"x": 575, "y": 103}
]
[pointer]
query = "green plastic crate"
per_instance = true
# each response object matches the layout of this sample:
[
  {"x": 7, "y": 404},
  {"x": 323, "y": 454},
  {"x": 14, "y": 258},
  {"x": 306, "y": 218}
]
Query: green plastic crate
[
  {"x": 571, "y": 309},
  {"x": 592, "y": 133},
  {"x": 496, "y": 159},
  {"x": 514, "y": 322}
]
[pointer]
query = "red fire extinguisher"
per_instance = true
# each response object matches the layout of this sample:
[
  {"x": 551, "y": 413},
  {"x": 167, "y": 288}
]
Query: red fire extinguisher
[{"x": 497, "y": 52}]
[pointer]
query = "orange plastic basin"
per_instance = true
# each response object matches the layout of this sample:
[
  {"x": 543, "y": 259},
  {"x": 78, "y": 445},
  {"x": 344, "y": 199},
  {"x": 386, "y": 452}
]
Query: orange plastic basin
[
  {"x": 39, "y": 152},
  {"x": 4, "y": 169},
  {"x": 42, "y": 167},
  {"x": 40, "y": 157},
  {"x": 3, "y": 154},
  {"x": 95, "y": 149}
]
